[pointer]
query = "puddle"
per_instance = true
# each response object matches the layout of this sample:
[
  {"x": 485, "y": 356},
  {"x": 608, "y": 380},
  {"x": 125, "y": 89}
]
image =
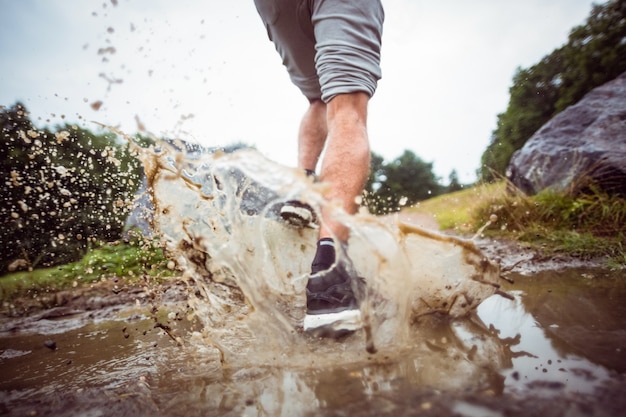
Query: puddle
[{"x": 559, "y": 344}]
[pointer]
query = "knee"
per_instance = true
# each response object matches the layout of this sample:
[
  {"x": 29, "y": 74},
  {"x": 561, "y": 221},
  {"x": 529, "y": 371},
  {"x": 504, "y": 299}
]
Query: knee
[{"x": 349, "y": 109}]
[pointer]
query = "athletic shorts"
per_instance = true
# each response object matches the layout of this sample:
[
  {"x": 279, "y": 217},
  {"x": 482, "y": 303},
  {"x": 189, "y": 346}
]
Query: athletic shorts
[{"x": 329, "y": 47}]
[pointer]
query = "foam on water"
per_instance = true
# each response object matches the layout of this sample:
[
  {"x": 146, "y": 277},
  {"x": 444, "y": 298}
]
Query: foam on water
[{"x": 218, "y": 215}]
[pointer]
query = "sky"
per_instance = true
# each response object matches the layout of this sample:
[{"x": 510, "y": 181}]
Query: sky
[{"x": 205, "y": 71}]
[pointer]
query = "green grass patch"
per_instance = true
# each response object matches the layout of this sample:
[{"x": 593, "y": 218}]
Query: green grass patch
[
  {"x": 586, "y": 226},
  {"x": 131, "y": 262},
  {"x": 455, "y": 211}
]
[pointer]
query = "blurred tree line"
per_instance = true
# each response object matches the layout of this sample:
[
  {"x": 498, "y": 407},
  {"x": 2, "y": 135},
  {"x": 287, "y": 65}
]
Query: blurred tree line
[
  {"x": 594, "y": 54},
  {"x": 403, "y": 182},
  {"x": 62, "y": 190}
]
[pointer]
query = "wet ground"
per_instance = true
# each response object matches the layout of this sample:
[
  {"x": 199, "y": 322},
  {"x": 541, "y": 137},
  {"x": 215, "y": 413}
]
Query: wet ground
[{"x": 557, "y": 349}]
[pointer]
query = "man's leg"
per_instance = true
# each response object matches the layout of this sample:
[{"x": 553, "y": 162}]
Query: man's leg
[
  {"x": 312, "y": 135},
  {"x": 332, "y": 306},
  {"x": 346, "y": 162},
  {"x": 348, "y": 38},
  {"x": 331, "y": 49},
  {"x": 345, "y": 166},
  {"x": 311, "y": 140}
]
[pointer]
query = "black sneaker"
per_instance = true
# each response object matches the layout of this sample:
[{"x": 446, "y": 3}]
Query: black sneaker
[
  {"x": 331, "y": 306},
  {"x": 298, "y": 214}
]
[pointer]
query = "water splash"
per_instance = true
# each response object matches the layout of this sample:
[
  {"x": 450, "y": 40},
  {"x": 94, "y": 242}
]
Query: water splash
[{"x": 218, "y": 214}]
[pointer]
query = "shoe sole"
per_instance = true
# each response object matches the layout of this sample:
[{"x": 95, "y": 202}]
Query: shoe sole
[
  {"x": 343, "y": 321},
  {"x": 297, "y": 216}
]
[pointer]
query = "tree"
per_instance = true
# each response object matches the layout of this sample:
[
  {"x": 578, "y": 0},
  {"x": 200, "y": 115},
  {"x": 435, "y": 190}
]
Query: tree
[
  {"x": 532, "y": 102},
  {"x": 64, "y": 190},
  {"x": 595, "y": 53},
  {"x": 453, "y": 182},
  {"x": 403, "y": 182}
]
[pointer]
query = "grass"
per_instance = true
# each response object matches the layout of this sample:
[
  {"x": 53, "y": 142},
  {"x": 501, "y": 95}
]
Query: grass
[
  {"x": 586, "y": 226},
  {"x": 455, "y": 211},
  {"x": 131, "y": 262}
]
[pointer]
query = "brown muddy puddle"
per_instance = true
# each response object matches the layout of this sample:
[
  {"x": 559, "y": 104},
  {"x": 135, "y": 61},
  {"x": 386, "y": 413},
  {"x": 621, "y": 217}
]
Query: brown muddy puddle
[{"x": 557, "y": 349}]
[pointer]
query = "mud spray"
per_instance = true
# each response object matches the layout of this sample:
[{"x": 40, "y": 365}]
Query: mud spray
[{"x": 218, "y": 216}]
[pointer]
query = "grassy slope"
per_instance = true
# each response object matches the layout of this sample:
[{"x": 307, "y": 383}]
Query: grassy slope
[
  {"x": 586, "y": 226},
  {"x": 129, "y": 261},
  {"x": 455, "y": 211}
]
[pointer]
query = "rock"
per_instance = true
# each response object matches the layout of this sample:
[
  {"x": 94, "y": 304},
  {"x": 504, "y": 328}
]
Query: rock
[{"x": 583, "y": 145}]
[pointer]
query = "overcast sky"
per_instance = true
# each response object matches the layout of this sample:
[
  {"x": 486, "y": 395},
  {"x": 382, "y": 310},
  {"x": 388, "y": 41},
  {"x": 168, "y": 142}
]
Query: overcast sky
[{"x": 204, "y": 70}]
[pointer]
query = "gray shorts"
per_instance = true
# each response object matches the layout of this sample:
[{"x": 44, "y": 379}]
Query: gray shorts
[{"x": 329, "y": 47}]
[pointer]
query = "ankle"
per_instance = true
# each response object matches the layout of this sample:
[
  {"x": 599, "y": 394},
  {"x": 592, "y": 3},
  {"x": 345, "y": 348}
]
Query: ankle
[{"x": 324, "y": 256}]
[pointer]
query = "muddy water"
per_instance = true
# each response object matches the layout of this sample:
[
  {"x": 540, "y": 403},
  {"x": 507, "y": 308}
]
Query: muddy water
[
  {"x": 218, "y": 217},
  {"x": 557, "y": 348}
]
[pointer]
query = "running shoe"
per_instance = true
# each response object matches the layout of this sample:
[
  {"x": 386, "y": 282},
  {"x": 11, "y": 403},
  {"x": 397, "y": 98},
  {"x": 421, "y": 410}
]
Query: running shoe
[
  {"x": 298, "y": 214},
  {"x": 332, "y": 309}
]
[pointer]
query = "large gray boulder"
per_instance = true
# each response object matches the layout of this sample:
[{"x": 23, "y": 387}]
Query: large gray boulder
[{"x": 583, "y": 145}]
